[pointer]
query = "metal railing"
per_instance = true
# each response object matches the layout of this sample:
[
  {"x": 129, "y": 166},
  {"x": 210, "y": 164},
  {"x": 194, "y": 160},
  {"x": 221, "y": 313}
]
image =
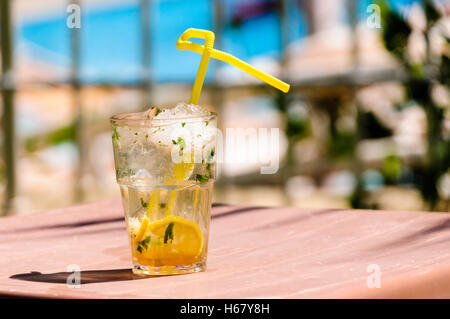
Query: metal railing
[{"x": 8, "y": 89}]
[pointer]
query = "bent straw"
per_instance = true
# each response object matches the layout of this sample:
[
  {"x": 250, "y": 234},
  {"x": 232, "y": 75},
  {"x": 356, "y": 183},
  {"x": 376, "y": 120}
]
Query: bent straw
[
  {"x": 171, "y": 202},
  {"x": 153, "y": 204},
  {"x": 207, "y": 52}
]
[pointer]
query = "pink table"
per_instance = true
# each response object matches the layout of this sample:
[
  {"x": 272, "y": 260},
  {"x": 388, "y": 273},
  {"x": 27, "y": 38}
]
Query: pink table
[{"x": 255, "y": 252}]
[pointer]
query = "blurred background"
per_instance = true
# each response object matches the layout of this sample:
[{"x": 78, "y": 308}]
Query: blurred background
[{"x": 366, "y": 123}]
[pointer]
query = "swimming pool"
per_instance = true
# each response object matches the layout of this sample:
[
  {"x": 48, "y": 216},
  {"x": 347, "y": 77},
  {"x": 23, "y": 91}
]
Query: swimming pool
[{"x": 111, "y": 38}]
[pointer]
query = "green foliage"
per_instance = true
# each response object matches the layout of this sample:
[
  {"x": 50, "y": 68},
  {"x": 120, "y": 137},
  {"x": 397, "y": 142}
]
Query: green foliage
[
  {"x": 55, "y": 137},
  {"x": 392, "y": 169},
  {"x": 419, "y": 82},
  {"x": 297, "y": 128},
  {"x": 369, "y": 126},
  {"x": 431, "y": 13},
  {"x": 395, "y": 30},
  {"x": 418, "y": 90},
  {"x": 342, "y": 145},
  {"x": 445, "y": 70},
  {"x": 358, "y": 198}
]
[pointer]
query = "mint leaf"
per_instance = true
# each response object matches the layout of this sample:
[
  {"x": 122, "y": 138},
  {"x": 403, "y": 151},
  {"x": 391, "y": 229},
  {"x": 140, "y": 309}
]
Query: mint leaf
[
  {"x": 144, "y": 203},
  {"x": 169, "y": 233},
  {"x": 183, "y": 124},
  {"x": 202, "y": 178},
  {"x": 115, "y": 135},
  {"x": 124, "y": 172},
  {"x": 143, "y": 244},
  {"x": 180, "y": 142},
  {"x": 158, "y": 110}
]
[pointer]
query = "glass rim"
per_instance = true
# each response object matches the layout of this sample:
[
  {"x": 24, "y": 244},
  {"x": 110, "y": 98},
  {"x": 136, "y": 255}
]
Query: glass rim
[{"x": 115, "y": 120}]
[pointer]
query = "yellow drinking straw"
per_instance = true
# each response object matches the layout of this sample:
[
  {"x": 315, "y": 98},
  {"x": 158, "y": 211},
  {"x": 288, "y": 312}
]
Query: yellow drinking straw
[
  {"x": 207, "y": 51},
  {"x": 153, "y": 204},
  {"x": 171, "y": 202}
]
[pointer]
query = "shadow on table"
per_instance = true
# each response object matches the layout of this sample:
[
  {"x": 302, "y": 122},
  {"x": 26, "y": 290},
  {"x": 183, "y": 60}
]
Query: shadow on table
[
  {"x": 422, "y": 236},
  {"x": 87, "y": 277},
  {"x": 237, "y": 210}
]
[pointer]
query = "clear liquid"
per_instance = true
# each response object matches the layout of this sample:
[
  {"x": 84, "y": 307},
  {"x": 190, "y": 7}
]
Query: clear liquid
[{"x": 168, "y": 226}]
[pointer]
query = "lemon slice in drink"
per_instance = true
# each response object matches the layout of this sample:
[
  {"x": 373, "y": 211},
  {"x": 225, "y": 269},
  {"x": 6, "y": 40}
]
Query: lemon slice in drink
[
  {"x": 180, "y": 235},
  {"x": 182, "y": 171},
  {"x": 173, "y": 241}
]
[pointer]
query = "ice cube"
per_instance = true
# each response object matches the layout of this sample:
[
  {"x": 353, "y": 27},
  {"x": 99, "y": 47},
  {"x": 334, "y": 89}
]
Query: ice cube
[
  {"x": 182, "y": 110},
  {"x": 146, "y": 115},
  {"x": 142, "y": 173}
]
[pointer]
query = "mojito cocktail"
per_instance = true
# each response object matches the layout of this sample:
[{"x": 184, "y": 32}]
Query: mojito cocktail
[{"x": 165, "y": 167}]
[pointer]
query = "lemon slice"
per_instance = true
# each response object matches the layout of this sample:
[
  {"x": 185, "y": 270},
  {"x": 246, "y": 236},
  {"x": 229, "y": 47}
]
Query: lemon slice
[
  {"x": 181, "y": 235},
  {"x": 182, "y": 171},
  {"x": 142, "y": 229},
  {"x": 173, "y": 241}
]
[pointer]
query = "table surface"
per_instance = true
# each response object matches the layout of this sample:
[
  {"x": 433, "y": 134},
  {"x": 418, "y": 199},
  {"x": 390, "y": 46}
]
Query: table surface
[{"x": 254, "y": 252}]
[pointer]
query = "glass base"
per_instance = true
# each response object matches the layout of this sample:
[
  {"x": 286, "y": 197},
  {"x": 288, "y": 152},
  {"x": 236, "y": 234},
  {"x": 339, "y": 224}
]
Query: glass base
[{"x": 168, "y": 270}]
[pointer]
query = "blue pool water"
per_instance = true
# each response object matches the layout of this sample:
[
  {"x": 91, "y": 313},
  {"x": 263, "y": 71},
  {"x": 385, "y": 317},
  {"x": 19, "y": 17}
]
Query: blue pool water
[{"x": 110, "y": 38}]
